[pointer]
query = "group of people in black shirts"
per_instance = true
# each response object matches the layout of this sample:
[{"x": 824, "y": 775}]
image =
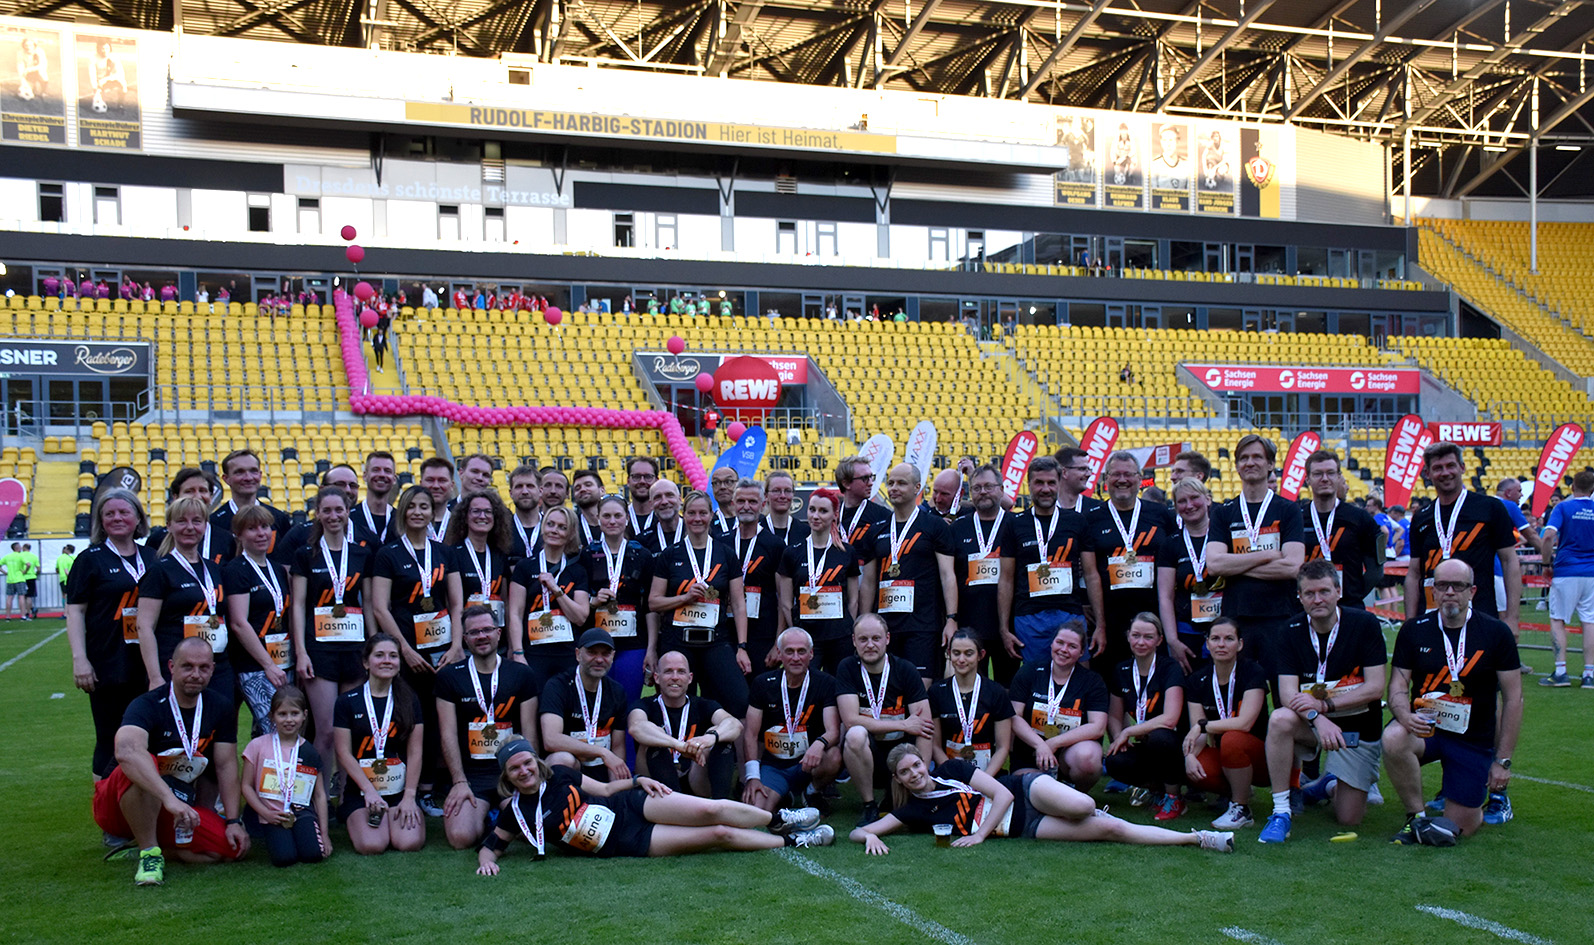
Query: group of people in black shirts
[{"x": 967, "y": 669}]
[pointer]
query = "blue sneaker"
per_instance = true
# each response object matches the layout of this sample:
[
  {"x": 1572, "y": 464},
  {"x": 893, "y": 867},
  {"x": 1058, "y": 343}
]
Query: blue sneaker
[
  {"x": 1436, "y": 807},
  {"x": 1498, "y": 810},
  {"x": 1115, "y": 786},
  {"x": 1320, "y": 790},
  {"x": 1276, "y": 830}
]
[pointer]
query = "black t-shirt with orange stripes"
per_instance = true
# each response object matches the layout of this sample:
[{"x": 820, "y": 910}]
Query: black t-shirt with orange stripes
[
  {"x": 762, "y": 556},
  {"x": 310, "y": 564},
  {"x": 103, "y": 583},
  {"x": 927, "y": 537},
  {"x": 400, "y": 564},
  {"x": 238, "y": 577},
  {"x": 993, "y": 706},
  {"x": 349, "y": 712},
  {"x": 1482, "y": 528},
  {"x": 1353, "y": 546},
  {"x": 1165, "y": 675},
  {"x": 1490, "y": 649},
  {"x": 951, "y": 800},
  {"x": 181, "y": 595},
  {"x": 836, "y": 566}
]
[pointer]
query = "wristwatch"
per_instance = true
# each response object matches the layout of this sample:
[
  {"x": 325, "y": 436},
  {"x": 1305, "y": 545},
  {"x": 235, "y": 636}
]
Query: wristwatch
[
  {"x": 1504, "y": 763},
  {"x": 1311, "y": 715},
  {"x": 229, "y": 821},
  {"x": 1203, "y": 724}
]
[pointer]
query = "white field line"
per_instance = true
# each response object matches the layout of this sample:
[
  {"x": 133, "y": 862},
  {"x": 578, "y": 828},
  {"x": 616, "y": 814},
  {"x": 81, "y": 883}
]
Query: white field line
[
  {"x": 896, "y": 910},
  {"x": 1482, "y": 924},
  {"x": 8, "y": 663},
  {"x": 1246, "y": 935},
  {"x": 1566, "y": 784}
]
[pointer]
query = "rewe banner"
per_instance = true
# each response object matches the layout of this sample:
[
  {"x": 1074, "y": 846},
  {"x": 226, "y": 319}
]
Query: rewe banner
[
  {"x": 1557, "y": 454},
  {"x": 1098, "y": 442},
  {"x": 1293, "y": 475},
  {"x": 1021, "y": 451},
  {"x": 1403, "y": 458},
  {"x": 1467, "y": 433}
]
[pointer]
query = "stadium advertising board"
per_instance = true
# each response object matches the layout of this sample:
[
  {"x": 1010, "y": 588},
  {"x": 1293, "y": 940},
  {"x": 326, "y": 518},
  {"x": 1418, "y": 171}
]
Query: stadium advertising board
[
  {"x": 75, "y": 358},
  {"x": 661, "y": 367},
  {"x": 1469, "y": 433},
  {"x": 1274, "y": 378}
]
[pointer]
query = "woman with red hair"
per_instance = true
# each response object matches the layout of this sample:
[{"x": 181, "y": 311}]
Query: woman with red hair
[{"x": 818, "y": 584}]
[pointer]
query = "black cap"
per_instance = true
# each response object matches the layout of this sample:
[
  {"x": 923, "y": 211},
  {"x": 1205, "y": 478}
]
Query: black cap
[
  {"x": 512, "y": 749},
  {"x": 596, "y": 637}
]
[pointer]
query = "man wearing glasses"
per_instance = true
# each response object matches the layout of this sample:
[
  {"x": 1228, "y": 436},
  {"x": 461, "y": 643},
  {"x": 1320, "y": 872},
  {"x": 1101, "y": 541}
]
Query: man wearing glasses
[
  {"x": 1051, "y": 561},
  {"x": 860, "y": 515},
  {"x": 985, "y": 544},
  {"x": 1451, "y": 666}
]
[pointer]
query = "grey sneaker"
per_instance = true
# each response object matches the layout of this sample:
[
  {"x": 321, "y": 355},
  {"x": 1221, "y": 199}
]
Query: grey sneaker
[
  {"x": 1556, "y": 680},
  {"x": 821, "y": 836},
  {"x": 790, "y": 821},
  {"x": 1218, "y": 841},
  {"x": 1237, "y": 816}
]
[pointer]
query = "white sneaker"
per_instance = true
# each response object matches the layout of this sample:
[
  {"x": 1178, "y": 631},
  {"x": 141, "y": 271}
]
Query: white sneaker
[
  {"x": 1375, "y": 797},
  {"x": 794, "y": 821},
  {"x": 821, "y": 836},
  {"x": 1237, "y": 816},
  {"x": 1215, "y": 840}
]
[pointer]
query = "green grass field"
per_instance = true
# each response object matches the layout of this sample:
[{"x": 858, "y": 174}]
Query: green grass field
[{"x": 1523, "y": 876}]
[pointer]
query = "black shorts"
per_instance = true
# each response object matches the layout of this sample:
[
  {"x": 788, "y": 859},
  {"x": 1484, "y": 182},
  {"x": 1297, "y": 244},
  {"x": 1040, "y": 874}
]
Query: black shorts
[
  {"x": 33, "y": 587},
  {"x": 339, "y": 662},
  {"x": 1025, "y": 820},
  {"x": 632, "y": 833},
  {"x": 354, "y": 802},
  {"x": 921, "y": 649}
]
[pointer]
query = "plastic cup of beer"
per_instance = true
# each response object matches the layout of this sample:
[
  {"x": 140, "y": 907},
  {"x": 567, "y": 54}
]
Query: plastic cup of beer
[
  {"x": 1428, "y": 716},
  {"x": 943, "y": 835}
]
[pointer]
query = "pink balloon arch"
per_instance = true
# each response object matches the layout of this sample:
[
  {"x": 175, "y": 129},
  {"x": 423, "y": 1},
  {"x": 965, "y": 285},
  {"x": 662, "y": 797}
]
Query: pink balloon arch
[{"x": 361, "y": 401}]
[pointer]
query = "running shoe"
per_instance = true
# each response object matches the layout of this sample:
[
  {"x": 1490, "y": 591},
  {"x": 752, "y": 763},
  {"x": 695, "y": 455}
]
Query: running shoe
[
  {"x": 428, "y": 805},
  {"x": 1320, "y": 790},
  {"x": 1140, "y": 797},
  {"x": 821, "y": 836},
  {"x": 1237, "y": 816},
  {"x": 1218, "y": 841},
  {"x": 151, "y": 868},
  {"x": 1115, "y": 786},
  {"x": 791, "y": 821},
  {"x": 1375, "y": 797},
  {"x": 128, "y": 850},
  {"x": 112, "y": 842},
  {"x": 1276, "y": 830},
  {"x": 1170, "y": 807},
  {"x": 1587, "y": 682},
  {"x": 1555, "y": 680},
  {"x": 1498, "y": 810},
  {"x": 1437, "y": 805},
  {"x": 871, "y": 813},
  {"x": 1407, "y": 837}
]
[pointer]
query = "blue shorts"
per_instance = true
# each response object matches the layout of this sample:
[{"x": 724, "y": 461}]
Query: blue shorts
[
  {"x": 1465, "y": 768},
  {"x": 1035, "y": 631},
  {"x": 783, "y": 779},
  {"x": 16, "y": 588}
]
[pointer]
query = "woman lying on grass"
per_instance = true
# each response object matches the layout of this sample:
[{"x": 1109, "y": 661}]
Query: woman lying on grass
[{"x": 965, "y": 803}]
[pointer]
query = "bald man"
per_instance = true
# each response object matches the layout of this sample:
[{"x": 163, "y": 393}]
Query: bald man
[
  {"x": 907, "y": 575},
  {"x": 946, "y": 495}
]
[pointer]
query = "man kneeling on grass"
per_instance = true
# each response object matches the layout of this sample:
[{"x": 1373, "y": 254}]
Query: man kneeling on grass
[{"x": 169, "y": 737}]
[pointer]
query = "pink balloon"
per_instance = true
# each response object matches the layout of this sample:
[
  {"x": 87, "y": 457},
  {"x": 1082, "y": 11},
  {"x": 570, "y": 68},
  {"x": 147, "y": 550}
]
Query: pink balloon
[
  {"x": 705, "y": 382},
  {"x": 368, "y": 318},
  {"x": 363, "y": 290},
  {"x": 553, "y": 316},
  {"x": 348, "y": 232},
  {"x": 735, "y": 430},
  {"x": 676, "y": 344},
  {"x": 354, "y": 254}
]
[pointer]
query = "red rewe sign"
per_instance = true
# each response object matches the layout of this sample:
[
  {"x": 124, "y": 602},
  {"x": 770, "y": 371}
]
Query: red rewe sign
[
  {"x": 1272, "y": 378},
  {"x": 1020, "y": 453},
  {"x": 1403, "y": 459},
  {"x": 1294, "y": 474},
  {"x": 1097, "y": 443},
  {"x": 1467, "y": 433},
  {"x": 746, "y": 384},
  {"x": 1557, "y": 454}
]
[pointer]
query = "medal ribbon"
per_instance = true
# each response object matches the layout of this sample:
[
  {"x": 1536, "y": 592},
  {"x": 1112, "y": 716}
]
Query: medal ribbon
[
  {"x": 1141, "y": 687},
  {"x": 966, "y": 719},
  {"x": 378, "y": 736},
  {"x": 190, "y": 745},
  {"x": 1198, "y": 563},
  {"x": 426, "y": 571},
  {"x": 589, "y": 717},
  {"x": 338, "y": 574},
  {"x": 542, "y": 568},
  {"x": 986, "y": 544},
  {"x": 1447, "y": 536},
  {"x": 680, "y": 524},
  {"x": 1322, "y": 659},
  {"x": 286, "y": 774},
  {"x": 1128, "y": 535},
  {"x": 1225, "y": 708},
  {"x": 1253, "y": 529},
  {"x": 785, "y": 706},
  {"x": 708, "y": 555},
  {"x": 1455, "y": 658},
  {"x": 1325, "y": 532},
  {"x": 616, "y": 565},
  {"x": 680, "y": 731},
  {"x": 491, "y": 699},
  {"x": 528, "y": 540},
  {"x": 380, "y": 533},
  {"x": 1054, "y": 696},
  {"x": 483, "y": 567},
  {"x": 268, "y": 577},
  {"x": 1043, "y": 541},
  {"x": 135, "y": 564},
  {"x": 535, "y": 839},
  {"x": 815, "y": 574},
  {"x": 876, "y": 703},
  {"x": 747, "y": 556},
  {"x": 204, "y": 582}
]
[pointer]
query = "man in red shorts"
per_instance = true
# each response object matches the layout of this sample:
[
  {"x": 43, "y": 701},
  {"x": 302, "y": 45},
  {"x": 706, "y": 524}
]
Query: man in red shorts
[{"x": 169, "y": 737}]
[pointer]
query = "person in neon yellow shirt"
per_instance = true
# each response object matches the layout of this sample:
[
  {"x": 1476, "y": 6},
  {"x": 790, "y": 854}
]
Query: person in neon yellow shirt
[
  {"x": 30, "y": 577},
  {"x": 16, "y": 585}
]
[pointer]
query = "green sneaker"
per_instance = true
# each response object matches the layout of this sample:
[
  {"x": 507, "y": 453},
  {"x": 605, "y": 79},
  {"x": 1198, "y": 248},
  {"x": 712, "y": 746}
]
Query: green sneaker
[{"x": 151, "y": 868}]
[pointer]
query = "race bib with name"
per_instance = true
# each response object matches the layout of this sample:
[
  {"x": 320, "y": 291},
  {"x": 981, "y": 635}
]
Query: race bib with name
[
  {"x": 1126, "y": 573},
  {"x": 755, "y": 600},
  {"x": 200, "y": 627},
  {"x": 485, "y": 737},
  {"x": 175, "y": 763},
  {"x": 825, "y": 605},
  {"x": 978, "y": 754},
  {"x": 1065, "y": 720},
  {"x": 1455, "y": 712},
  {"x": 271, "y": 784},
  {"x": 390, "y": 781},
  {"x": 704, "y": 613},
  {"x": 279, "y": 649},
  {"x": 555, "y": 629},
  {"x": 599, "y": 739},
  {"x": 589, "y": 829},
  {"x": 1054, "y": 579},
  {"x": 1001, "y": 829},
  {"x": 984, "y": 572},
  {"x": 787, "y": 746},
  {"x": 129, "y": 624},
  {"x": 433, "y": 630},
  {"x": 1205, "y": 608},
  {"x": 1267, "y": 541},
  {"x": 621, "y": 624},
  {"x": 349, "y": 628},
  {"x": 896, "y": 597}
]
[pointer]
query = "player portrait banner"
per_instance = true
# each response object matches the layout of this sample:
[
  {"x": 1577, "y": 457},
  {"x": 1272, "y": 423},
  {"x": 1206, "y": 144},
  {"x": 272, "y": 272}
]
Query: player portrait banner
[
  {"x": 108, "y": 114},
  {"x": 1075, "y": 185},
  {"x": 32, "y": 94},
  {"x": 1099, "y": 439},
  {"x": 1123, "y": 167},
  {"x": 1021, "y": 450},
  {"x": 1169, "y": 168},
  {"x": 1294, "y": 470},
  {"x": 1403, "y": 458},
  {"x": 1216, "y": 148},
  {"x": 1557, "y": 454}
]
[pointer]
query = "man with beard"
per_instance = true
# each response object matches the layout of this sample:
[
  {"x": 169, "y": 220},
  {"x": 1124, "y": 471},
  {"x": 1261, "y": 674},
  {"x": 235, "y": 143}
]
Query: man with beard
[
  {"x": 1124, "y": 535},
  {"x": 587, "y": 489},
  {"x": 373, "y": 519},
  {"x": 526, "y": 522},
  {"x": 758, "y": 553},
  {"x": 986, "y": 543},
  {"x": 641, "y": 473}
]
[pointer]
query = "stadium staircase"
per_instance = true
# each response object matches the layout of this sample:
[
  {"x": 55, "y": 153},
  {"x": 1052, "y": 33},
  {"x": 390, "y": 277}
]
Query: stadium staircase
[{"x": 54, "y": 498}]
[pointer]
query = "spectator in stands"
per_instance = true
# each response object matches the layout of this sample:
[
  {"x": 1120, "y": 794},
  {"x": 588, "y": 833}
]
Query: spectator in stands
[
  {"x": 202, "y": 298},
  {"x": 168, "y": 293},
  {"x": 1259, "y": 552},
  {"x": 1126, "y": 374},
  {"x": 428, "y": 297},
  {"x": 1189, "y": 463},
  {"x": 224, "y": 294},
  {"x": 52, "y": 287},
  {"x": 1569, "y": 565},
  {"x": 86, "y": 289},
  {"x": 379, "y": 349},
  {"x": 101, "y": 290}
]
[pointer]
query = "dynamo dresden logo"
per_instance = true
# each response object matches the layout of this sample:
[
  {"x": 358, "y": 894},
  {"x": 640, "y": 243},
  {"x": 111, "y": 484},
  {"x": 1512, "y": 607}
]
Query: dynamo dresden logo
[{"x": 1260, "y": 172}]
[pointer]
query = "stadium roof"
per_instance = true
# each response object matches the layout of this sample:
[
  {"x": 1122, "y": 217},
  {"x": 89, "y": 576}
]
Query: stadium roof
[{"x": 1472, "y": 81}]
